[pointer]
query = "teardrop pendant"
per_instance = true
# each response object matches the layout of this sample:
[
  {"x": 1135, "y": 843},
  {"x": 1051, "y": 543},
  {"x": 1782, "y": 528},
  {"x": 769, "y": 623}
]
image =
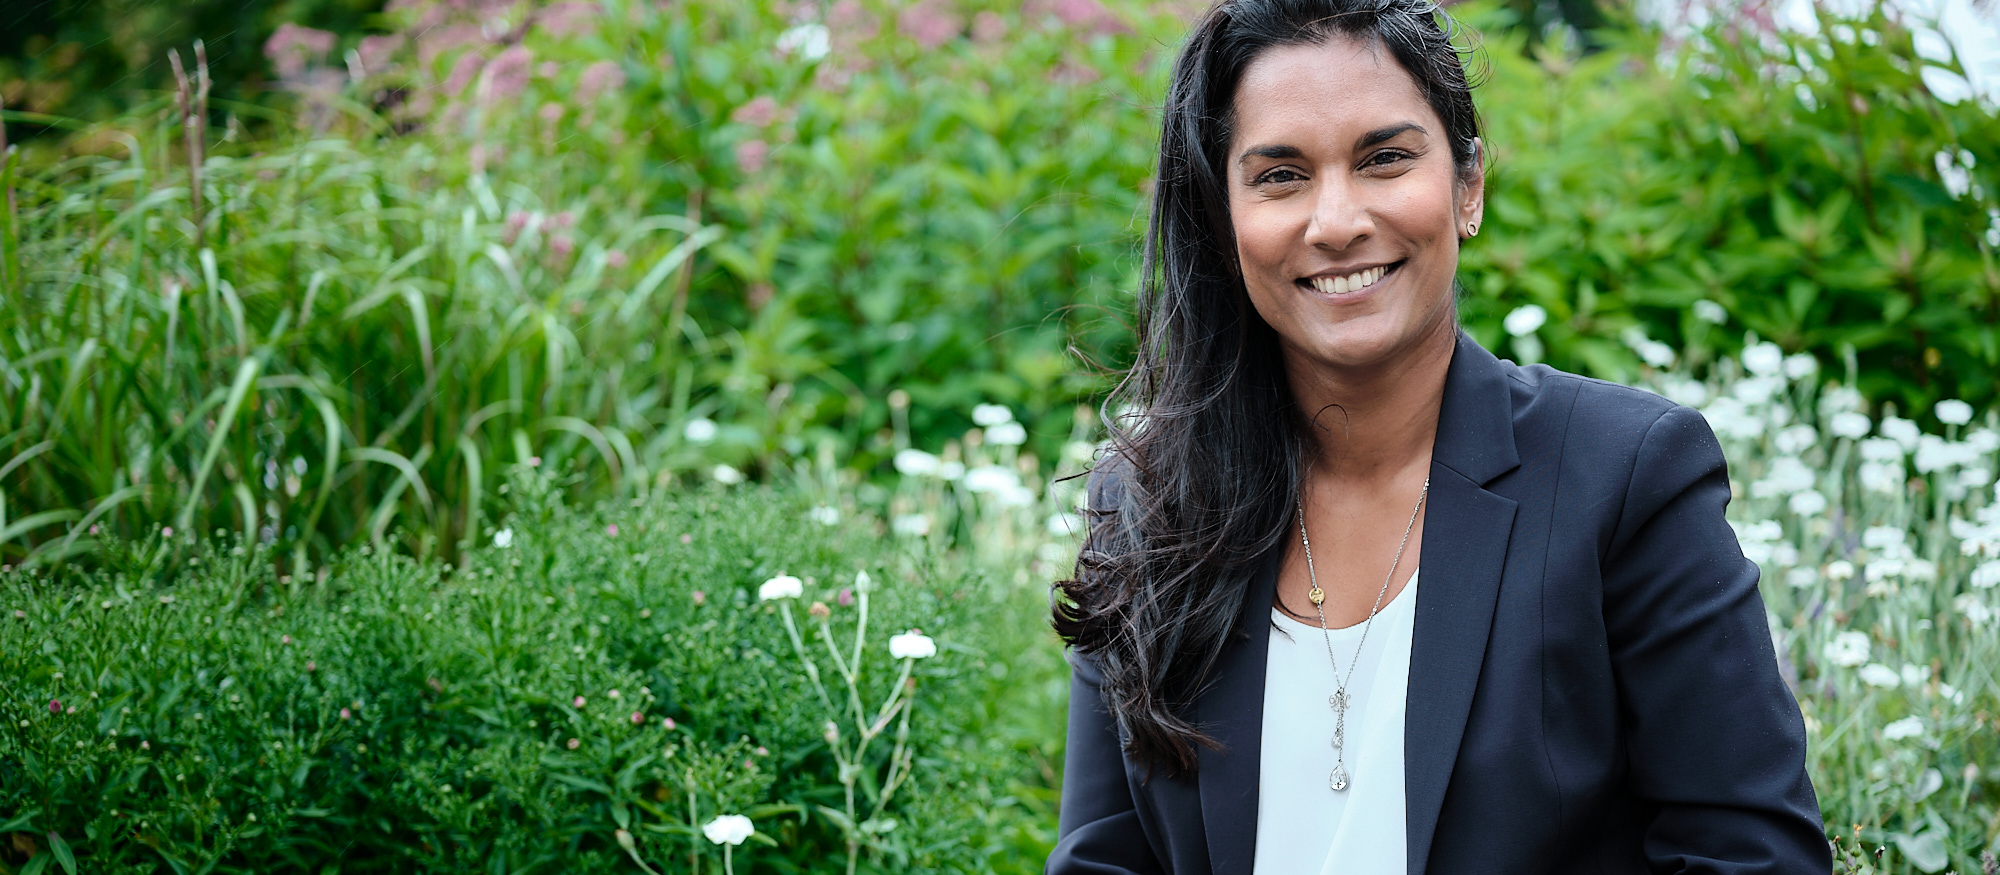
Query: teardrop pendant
[{"x": 1339, "y": 779}]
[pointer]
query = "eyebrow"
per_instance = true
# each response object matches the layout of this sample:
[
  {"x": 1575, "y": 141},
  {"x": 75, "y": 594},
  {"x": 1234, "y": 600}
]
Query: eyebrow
[{"x": 1280, "y": 152}]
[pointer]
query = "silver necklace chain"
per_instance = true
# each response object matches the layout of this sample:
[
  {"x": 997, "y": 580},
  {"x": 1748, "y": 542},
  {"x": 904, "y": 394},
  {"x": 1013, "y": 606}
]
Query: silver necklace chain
[{"x": 1340, "y": 699}]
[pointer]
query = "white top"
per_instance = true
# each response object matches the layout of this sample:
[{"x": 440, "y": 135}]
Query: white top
[{"x": 1303, "y": 826}]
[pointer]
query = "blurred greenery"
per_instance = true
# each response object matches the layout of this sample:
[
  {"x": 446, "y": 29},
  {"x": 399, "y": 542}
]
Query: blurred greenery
[
  {"x": 656, "y": 238},
  {"x": 182, "y": 708}
]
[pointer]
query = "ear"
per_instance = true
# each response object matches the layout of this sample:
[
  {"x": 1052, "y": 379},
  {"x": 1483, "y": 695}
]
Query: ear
[{"x": 1472, "y": 194}]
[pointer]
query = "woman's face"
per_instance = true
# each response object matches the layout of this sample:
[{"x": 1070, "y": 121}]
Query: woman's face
[{"x": 1345, "y": 204}]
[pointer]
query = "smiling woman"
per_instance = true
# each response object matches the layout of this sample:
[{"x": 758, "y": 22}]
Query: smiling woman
[{"x": 1584, "y": 683}]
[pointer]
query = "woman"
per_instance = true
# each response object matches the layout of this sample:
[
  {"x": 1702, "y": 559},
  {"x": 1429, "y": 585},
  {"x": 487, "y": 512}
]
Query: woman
[{"x": 1359, "y": 597}]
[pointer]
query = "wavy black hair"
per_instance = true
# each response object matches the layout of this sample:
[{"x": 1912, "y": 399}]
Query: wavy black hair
[{"x": 1203, "y": 472}]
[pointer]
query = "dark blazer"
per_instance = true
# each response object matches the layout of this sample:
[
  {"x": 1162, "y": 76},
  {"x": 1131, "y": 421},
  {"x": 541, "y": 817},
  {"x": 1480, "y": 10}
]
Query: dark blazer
[{"x": 1593, "y": 687}]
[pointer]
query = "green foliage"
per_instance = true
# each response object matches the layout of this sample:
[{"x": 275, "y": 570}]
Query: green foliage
[
  {"x": 506, "y": 714},
  {"x": 1799, "y": 182}
]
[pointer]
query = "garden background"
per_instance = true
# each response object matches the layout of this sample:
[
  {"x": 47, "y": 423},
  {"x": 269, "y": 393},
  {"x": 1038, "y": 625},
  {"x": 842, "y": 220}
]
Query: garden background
[{"x": 484, "y": 435}]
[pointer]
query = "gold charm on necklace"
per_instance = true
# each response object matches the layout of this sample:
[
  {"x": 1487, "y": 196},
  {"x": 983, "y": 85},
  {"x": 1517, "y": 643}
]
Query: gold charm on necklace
[{"x": 1316, "y": 596}]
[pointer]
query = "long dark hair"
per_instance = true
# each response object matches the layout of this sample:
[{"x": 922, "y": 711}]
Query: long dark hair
[{"x": 1204, "y": 469}]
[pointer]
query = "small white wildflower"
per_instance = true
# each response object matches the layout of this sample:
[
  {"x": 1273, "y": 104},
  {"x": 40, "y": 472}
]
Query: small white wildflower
[
  {"x": 1876, "y": 674},
  {"x": 825, "y": 515},
  {"x": 729, "y": 829},
  {"x": 1915, "y": 675},
  {"x": 1973, "y": 609},
  {"x": 1710, "y": 312},
  {"x": 1908, "y": 727},
  {"x": 1800, "y": 578},
  {"x": 912, "y": 525},
  {"x": 1655, "y": 353},
  {"x": 1973, "y": 478},
  {"x": 912, "y": 645},
  {"x": 1786, "y": 476},
  {"x": 1987, "y": 575},
  {"x": 811, "y": 41},
  {"x": 991, "y": 478},
  {"x": 1952, "y": 411},
  {"x": 1850, "y": 425},
  {"x": 1841, "y": 399},
  {"x": 1881, "y": 537},
  {"x": 503, "y": 538},
  {"x": 1901, "y": 431},
  {"x": 1983, "y": 441},
  {"x": 952, "y": 470},
  {"x": 1763, "y": 359},
  {"x": 1525, "y": 320},
  {"x": 1799, "y": 366},
  {"x": 916, "y": 463},
  {"x": 1807, "y": 503},
  {"x": 1784, "y": 555},
  {"x": 1848, "y": 649},
  {"x": 1683, "y": 391},
  {"x": 784, "y": 586},
  {"x": 1881, "y": 450},
  {"x": 726, "y": 475},
  {"x": 1797, "y": 439},
  {"x": 989, "y": 415},
  {"x": 1757, "y": 391},
  {"x": 1883, "y": 477},
  {"x": 1063, "y": 524},
  {"x": 1957, "y": 179},
  {"x": 1007, "y": 434},
  {"x": 700, "y": 430}
]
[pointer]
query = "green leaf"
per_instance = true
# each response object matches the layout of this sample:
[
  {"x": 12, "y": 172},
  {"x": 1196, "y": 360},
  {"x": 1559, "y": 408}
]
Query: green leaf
[{"x": 60, "y": 849}]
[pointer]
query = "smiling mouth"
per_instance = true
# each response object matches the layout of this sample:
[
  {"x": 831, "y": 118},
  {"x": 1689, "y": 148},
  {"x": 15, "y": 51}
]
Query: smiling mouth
[{"x": 1350, "y": 283}]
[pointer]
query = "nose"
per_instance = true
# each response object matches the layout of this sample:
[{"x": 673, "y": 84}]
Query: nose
[{"x": 1340, "y": 215}]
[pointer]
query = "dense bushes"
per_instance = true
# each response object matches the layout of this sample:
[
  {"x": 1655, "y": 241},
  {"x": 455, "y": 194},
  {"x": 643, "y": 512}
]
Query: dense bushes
[
  {"x": 661, "y": 237},
  {"x": 580, "y": 673}
]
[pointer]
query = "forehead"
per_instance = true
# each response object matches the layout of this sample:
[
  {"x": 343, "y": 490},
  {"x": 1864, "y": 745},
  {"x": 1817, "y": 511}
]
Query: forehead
[{"x": 1331, "y": 88}]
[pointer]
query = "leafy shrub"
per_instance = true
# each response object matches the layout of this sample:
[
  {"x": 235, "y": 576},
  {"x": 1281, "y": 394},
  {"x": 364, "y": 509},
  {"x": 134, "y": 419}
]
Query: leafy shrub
[
  {"x": 658, "y": 238},
  {"x": 1880, "y": 547},
  {"x": 582, "y": 673}
]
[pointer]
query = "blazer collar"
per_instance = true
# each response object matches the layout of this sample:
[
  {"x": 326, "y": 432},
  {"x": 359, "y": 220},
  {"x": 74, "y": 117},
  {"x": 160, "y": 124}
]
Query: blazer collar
[
  {"x": 1464, "y": 547},
  {"x": 1475, "y": 435}
]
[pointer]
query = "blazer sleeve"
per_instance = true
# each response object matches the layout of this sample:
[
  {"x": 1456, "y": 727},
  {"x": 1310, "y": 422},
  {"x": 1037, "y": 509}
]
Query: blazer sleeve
[
  {"x": 1714, "y": 736},
  {"x": 1099, "y": 831}
]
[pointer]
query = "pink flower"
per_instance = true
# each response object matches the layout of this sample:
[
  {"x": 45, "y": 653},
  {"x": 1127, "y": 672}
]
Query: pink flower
[
  {"x": 615, "y": 258},
  {"x": 988, "y": 28},
  {"x": 375, "y": 51},
  {"x": 55, "y": 707},
  {"x": 551, "y": 112},
  {"x": 700, "y": 598},
  {"x": 292, "y": 46},
  {"x": 638, "y": 718},
  {"x": 507, "y": 76},
  {"x": 668, "y": 724},
  {"x": 534, "y": 461},
  {"x": 574, "y": 744},
  {"x": 145, "y": 745},
  {"x": 561, "y": 245},
  {"x": 750, "y": 155},
  {"x": 1085, "y": 15},
  {"x": 310, "y": 666},
  {"x": 346, "y": 714},
  {"x": 930, "y": 23},
  {"x": 462, "y": 71},
  {"x": 438, "y": 40},
  {"x": 687, "y": 539},
  {"x": 285, "y": 639},
  {"x": 563, "y": 19},
  {"x": 611, "y": 530},
  {"x": 599, "y": 78},
  {"x": 577, "y": 702},
  {"x": 757, "y": 113},
  {"x": 763, "y": 751},
  {"x": 846, "y": 597},
  {"x": 167, "y": 532}
]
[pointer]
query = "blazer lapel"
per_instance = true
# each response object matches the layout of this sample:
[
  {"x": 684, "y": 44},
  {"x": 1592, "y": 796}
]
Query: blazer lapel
[
  {"x": 1232, "y": 712},
  {"x": 1466, "y": 532}
]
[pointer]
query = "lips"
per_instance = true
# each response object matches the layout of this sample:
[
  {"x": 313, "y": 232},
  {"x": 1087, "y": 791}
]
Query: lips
[{"x": 1347, "y": 284}]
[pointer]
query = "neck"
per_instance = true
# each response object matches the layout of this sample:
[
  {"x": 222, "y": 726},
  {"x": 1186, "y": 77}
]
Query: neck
[{"x": 1374, "y": 422}]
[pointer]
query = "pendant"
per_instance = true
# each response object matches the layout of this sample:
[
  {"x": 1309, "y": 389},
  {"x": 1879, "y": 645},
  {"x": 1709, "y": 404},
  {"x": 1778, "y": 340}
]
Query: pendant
[
  {"x": 1339, "y": 779},
  {"x": 1317, "y": 595}
]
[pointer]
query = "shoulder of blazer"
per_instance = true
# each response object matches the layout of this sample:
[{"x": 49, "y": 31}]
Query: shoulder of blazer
[{"x": 1607, "y": 416}]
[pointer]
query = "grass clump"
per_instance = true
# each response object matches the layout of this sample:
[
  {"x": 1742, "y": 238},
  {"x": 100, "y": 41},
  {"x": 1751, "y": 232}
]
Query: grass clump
[{"x": 584, "y": 677}]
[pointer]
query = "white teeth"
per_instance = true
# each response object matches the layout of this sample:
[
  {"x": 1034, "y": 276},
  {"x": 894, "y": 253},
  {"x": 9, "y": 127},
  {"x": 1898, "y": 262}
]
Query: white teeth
[{"x": 1354, "y": 282}]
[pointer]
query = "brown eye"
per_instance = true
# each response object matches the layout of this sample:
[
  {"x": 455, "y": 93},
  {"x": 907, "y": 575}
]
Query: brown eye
[{"x": 1280, "y": 176}]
